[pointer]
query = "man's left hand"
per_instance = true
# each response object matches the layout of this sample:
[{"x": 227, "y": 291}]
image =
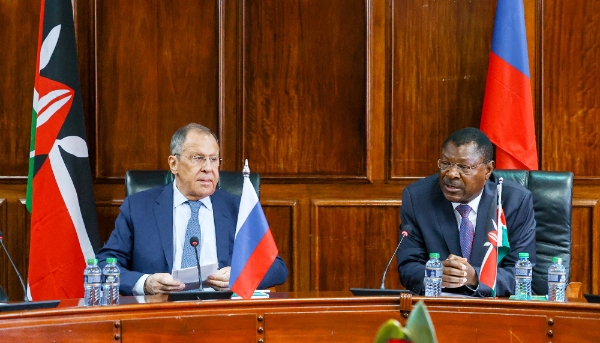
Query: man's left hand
[
  {"x": 458, "y": 272},
  {"x": 219, "y": 281}
]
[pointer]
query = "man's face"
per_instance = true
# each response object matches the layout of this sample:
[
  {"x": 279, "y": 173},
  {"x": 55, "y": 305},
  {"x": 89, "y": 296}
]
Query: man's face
[
  {"x": 457, "y": 186},
  {"x": 196, "y": 178}
]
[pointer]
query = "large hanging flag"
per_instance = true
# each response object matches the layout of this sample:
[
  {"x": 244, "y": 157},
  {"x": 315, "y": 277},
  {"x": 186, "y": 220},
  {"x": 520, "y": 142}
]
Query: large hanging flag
[
  {"x": 507, "y": 116},
  {"x": 254, "y": 249},
  {"x": 60, "y": 197},
  {"x": 497, "y": 246}
]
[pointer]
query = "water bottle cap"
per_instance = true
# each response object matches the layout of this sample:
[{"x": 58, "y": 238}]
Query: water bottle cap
[
  {"x": 434, "y": 255},
  {"x": 523, "y": 255},
  {"x": 556, "y": 259},
  {"x": 111, "y": 260},
  {"x": 92, "y": 261}
]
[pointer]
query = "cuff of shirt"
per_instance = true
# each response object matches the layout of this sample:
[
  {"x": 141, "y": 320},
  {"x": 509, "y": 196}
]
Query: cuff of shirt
[{"x": 138, "y": 288}]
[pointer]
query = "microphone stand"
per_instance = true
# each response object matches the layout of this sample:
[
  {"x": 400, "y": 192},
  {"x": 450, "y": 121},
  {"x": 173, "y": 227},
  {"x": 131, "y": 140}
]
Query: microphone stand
[
  {"x": 15, "y": 268},
  {"x": 194, "y": 241},
  {"x": 404, "y": 234}
]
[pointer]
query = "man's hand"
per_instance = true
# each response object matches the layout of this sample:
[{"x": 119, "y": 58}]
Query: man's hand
[
  {"x": 219, "y": 280},
  {"x": 162, "y": 283},
  {"x": 457, "y": 272}
]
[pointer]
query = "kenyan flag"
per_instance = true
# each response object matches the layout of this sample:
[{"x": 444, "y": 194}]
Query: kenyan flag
[{"x": 60, "y": 197}]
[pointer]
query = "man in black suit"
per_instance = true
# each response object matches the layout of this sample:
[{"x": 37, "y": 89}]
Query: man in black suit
[{"x": 434, "y": 208}]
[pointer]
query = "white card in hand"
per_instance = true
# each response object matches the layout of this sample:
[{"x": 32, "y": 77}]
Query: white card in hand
[{"x": 189, "y": 276}]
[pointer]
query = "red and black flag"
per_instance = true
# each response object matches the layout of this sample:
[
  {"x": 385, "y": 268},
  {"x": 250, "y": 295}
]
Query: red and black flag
[{"x": 60, "y": 196}]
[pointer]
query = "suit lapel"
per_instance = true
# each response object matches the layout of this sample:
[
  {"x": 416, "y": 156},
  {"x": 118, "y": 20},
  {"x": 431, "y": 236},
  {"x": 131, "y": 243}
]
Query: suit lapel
[
  {"x": 163, "y": 214},
  {"x": 224, "y": 229},
  {"x": 485, "y": 212},
  {"x": 446, "y": 221}
]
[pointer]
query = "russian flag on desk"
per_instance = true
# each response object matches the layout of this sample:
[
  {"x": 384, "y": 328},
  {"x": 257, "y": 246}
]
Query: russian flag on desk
[
  {"x": 254, "y": 249},
  {"x": 507, "y": 116}
]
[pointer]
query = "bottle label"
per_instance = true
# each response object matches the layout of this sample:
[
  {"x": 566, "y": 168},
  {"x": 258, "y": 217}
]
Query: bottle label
[
  {"x": 523, "y": 272},
  {"x": 553, "y": 277},
  {"x": 92, "y": 278},
  {"x": 114, "y": 278},
  {"x": 433, "y": 273}
]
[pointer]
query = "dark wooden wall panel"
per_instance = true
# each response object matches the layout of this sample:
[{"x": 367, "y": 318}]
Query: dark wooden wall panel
[
  {"x": 157, "y": 69},
  {"x": 305, "y": 88},
  {"x": 571, "y": 101},
  {"x": 440, "y": 52},
  {"x": 585, "y": 213},
  {"x": 19, "y": 24},
  {"x": 282, "y": 216},
  {"x": 343, "y": 257},
  {"x": 4, "y": 264}
]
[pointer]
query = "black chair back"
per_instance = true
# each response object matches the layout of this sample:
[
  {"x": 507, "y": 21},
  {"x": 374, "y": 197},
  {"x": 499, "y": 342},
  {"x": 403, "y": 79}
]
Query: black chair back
[
  {"x": 552, "y": 203},
  {"x": 229, "y": 181}
]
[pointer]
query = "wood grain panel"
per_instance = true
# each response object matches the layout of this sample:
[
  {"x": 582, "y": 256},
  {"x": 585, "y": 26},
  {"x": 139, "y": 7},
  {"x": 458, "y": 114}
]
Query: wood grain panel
[
  {"x": 440, "y": 52},
  {"x": 282, "y": 216},
  {"x": 107, "y": 212},
  {"x": 508, "y": 328},
  {"x": 157, "y": 70},
  {"x": 17, "y": 243},
  {"x": 324, "y": 327},
  {"x": 305, "y": 88},
  {"x": 586, "y": 216},
  {"x": 352, "y": 242},
  {"x": 571, "y": 74},
  {"x": 4, "y": 264},
  {"x": 94, "y": 331},
  {"x": 20, "y": 24},
  {"x": 215, "y": 328}
]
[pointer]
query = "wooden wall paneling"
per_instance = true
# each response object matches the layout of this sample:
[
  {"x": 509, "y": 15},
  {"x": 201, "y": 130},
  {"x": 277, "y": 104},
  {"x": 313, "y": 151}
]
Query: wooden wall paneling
[
  {"x": 106, "y": 212},
  {"x": 585, "y": 257},
  {"x": 230, "y": 84},
  {"x": 352, "y": 241},
  {"x": 157, "y": 69},
  {"x": 282, "y": 216},
  {"x": 17, "y": 243},
  {"x": 20, "y": 25},
  {"x": 4, "y": 264},
  {"x": 571, "y": 74},
  {"x": 439, "y": 57},
  {"x": 304, "y": 89}
]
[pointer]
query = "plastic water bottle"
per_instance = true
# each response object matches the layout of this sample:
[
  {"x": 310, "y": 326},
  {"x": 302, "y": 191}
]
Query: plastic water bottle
[
  {"x": 111, "y": 279},
  {"x": 433, "y": 276},
  {"x": 523, "y": 277},
  {"x": 557, "y": 280},
  {"x": 92, "y": 277}
]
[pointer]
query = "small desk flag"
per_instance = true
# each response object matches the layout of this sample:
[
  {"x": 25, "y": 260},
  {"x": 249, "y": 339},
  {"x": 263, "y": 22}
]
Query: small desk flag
[{"x": 254, "y": 249}]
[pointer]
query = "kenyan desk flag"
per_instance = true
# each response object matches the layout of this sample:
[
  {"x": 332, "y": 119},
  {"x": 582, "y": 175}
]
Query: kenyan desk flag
[{"x": 60, "y": 197}]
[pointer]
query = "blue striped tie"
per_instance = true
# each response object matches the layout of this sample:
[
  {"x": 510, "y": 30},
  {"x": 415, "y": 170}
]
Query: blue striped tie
[
  {"x": 188, "y": 258},
  {"x": 466, "y": 231}
]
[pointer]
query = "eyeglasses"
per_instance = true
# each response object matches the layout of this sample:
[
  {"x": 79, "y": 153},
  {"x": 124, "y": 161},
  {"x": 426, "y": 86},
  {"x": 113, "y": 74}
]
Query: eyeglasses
[
  {"x": 463, "y": 169},
  {"x": 199, "y": 160}
]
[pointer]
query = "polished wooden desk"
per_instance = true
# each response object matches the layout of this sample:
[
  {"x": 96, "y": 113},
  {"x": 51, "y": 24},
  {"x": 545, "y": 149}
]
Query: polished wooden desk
[{"x": 301, "y": 317}]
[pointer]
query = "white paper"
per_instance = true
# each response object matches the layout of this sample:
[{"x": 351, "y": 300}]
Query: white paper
[{"x": 189, "y": 276}]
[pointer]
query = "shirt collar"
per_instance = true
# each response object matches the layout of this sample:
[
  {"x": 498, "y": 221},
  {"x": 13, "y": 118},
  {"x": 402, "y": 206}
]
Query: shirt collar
[
  {"x": 474, "y": 204},
  {"x": 179, "y": 198}
]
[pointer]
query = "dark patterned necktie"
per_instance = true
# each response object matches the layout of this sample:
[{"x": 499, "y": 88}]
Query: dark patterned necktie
[
  {"x": 188, "y": 258},
  {"x": 466, "y": 231}
]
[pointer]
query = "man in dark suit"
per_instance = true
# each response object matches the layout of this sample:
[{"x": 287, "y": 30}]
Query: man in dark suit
[
  {"x": 432, "y": 207},
  {"x": 149, "y": 239}
]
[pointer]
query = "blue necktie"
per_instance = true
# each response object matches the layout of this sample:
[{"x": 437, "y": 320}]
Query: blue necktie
[
  {"x": 466, "y": 231},
  {"x": 188, "y": 258}
]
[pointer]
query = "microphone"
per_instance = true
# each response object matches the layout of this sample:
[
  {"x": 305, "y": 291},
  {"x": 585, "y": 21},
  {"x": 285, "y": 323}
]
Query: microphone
[
  {"x": 194, "y": 241},
  {"x": 405, "y": 233},
  {"x": 14, "y": 267}
]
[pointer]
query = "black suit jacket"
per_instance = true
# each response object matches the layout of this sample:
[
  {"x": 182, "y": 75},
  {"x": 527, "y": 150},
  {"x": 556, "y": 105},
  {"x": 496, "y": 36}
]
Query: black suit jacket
[
  {"x": 435, "y": 229},
  {"x": 142, "y": 240}
]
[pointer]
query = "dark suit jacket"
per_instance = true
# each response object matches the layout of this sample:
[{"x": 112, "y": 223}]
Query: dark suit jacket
[
  {"x": 435, "y": 229},
  {"x": 142, "y": 240}
]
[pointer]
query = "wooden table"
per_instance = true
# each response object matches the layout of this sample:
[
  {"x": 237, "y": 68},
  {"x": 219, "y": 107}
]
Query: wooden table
[{"x": 301, "y": 317}]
